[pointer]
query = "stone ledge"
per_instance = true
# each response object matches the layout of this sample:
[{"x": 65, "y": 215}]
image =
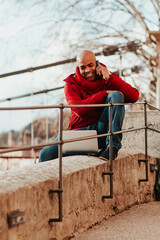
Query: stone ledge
[
  {"x": 134, "y": 141},
  {"x": 83, "y": 186}
]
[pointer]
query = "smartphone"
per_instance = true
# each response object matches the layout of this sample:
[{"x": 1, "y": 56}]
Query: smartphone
[{"x": 97, "y": 64}]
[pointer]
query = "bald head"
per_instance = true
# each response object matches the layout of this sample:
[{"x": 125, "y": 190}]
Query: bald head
[
  {"x": 85, "y": 54},
  {"x": 86, "y": 62}
]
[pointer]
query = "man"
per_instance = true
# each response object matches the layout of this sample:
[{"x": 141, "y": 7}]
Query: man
[{"x": 93, "y": 83}]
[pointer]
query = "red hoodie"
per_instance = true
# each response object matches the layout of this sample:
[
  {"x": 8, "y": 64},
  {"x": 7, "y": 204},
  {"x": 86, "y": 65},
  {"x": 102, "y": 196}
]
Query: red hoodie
[{"x": 78, "y": 90}]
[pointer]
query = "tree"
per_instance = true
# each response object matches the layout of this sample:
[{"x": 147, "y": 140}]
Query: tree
[
  {"x": 61, "y": 28},
  {"x": 125, "y": 21},
  {"x": 48, "y": 31}
]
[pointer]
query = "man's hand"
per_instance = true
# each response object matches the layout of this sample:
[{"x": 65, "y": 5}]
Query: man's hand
[
  {"x": 103, "y": 71},
  {"x": 110, "y": 91}
]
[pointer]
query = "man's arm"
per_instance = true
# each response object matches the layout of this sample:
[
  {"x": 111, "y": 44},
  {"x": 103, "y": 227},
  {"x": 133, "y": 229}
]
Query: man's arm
[
  {"x": 73, "y": 97},
  {"x": 115, "y": 83},
  {"x": 129, "y": 93}
]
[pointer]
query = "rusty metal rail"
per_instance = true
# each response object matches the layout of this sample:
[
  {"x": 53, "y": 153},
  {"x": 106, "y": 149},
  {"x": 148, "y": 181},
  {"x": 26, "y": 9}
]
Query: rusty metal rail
[
  {"x": 31, "y": 94},
  {"x": 60, "y": 142}
]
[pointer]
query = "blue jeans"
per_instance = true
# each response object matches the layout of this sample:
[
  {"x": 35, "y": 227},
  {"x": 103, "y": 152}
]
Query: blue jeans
[{"x": 102, "y": 126}]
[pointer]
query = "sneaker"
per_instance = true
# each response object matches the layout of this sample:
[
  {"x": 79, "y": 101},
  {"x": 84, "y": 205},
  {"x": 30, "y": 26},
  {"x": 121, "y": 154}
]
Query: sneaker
[
  {"x": 95, "y": 154},
  {"x": 105, "y": 155}
]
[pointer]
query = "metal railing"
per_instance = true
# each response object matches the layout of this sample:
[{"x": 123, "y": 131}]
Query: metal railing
[{"x": 60, "y": 143}]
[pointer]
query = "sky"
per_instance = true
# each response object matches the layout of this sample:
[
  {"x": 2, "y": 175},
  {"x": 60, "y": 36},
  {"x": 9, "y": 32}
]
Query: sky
[
  {"x": 20, "y": 30},
  {"x": 26, "y": 39}
]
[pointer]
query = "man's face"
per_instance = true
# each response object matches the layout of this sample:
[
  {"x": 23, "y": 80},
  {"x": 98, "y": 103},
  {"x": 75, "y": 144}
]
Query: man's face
[{"x": 87, "y": 67}]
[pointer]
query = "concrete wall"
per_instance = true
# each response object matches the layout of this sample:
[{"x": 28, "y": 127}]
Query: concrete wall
[
  {"x": 133, "y": 142},
  {"x": 27, "y": 189}
]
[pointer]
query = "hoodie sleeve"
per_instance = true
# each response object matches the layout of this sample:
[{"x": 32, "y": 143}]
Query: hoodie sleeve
[
  {"x": 73, "y": 97},
  {"x": 130, "y": 93}
]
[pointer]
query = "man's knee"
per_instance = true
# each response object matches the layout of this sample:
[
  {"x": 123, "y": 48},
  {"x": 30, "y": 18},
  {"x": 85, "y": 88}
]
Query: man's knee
[
  {"x": 42, "y": 155},
  {"x": 48, "y": 153},
  {"x": 115, "y": 97}
]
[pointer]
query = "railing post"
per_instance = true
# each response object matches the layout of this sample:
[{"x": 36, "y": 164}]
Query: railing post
[
  {"x": 145, "y": 123},
  {"x": 146, "y": 144},
  {"x": 59, "y": 190},
  {"x": 110, "y": 149},
  {"x": 110, "y": 173},
  {"x": 60, "y": 159}
]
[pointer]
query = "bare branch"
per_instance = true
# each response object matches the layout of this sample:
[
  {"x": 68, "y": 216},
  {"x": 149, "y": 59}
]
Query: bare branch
[
  {"x": 138, "y": 15},
  {"x": 155, "y": 7},
  {"x": 158, "y": 4},
  {"x": 125, "y": 8}
]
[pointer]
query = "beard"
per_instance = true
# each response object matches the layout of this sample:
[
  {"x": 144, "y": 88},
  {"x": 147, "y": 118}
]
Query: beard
[{"x": 90, "y": 76}]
